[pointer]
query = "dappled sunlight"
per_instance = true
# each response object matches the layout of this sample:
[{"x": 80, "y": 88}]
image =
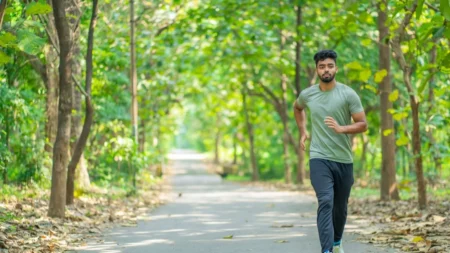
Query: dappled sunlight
[
  {"x": 148, "y": 242},
  {"x": 186, "y": 155},
  {"x": 209, "y": 215}
]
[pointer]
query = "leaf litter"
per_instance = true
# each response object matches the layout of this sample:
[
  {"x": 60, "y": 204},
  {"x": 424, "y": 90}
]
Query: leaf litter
[
  {"x": 401, "y": 225},
  {"x": 26, "y": 228}
]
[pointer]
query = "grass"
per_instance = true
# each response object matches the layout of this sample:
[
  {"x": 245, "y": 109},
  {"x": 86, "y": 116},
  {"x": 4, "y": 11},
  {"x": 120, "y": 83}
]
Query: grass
[{"x": 406, "y": 193}]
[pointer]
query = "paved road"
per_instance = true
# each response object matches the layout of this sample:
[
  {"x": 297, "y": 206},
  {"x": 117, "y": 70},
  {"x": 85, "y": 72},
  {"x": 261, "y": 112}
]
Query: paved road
[{"x": 210, "y": 209}]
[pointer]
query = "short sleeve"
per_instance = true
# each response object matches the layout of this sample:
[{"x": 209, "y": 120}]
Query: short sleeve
[
  {"x": 354, "y": 102},
  {"x": 301, "y": 100}
]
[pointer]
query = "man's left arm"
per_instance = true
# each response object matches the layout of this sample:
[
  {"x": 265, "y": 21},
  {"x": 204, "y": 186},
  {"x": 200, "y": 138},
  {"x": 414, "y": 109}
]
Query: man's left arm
[
  {"x": 359, "y": 117},
  {"x": 359, "y": 125}
]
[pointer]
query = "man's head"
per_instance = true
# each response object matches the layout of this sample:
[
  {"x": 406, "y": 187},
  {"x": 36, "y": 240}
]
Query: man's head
[{"x": 326, "y": 65}]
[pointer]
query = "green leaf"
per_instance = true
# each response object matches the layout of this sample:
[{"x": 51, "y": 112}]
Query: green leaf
[
  {"x": 29, "y": 42},
  {"x": 446, "y": 61},
  {"x": 228, "y": 237},
  {"x": 424, "y": 83},
  {"x": 379, "y": 76},
  {"x": 4, "y": 58},
  {"x": 402, "y": 141},
  {"x": 393, "y": 96},
  {"x": 7, "y": 39},
  {"x": 371, "y": 88},
  {"x": 38, "y": 8},
  {"x": 419, "y": 8},
  {"x": 445, "y": 8},
  {"x": 354, "y": 65},
  {"x": 364, "y": 75},
  {"x": 399, "y": 116},
  {"x": 366, "y": 42},
  {"x": 387, "y": 132}
]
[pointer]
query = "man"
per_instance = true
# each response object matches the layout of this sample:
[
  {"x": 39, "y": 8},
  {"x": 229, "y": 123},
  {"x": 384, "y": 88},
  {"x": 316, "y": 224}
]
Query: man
[{"x": 331, "y": 105}]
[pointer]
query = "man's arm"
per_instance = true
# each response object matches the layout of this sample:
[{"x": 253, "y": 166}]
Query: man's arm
[
  {"x": 300, "y": 118},
  {"x": 359, "y": 126}
]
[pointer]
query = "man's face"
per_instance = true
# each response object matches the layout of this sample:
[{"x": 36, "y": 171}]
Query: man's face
[{"x": 326, "y": 70}]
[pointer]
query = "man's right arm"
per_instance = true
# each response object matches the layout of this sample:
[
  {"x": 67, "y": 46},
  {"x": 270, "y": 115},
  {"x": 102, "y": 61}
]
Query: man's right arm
[{"x": 300, "y": 118}]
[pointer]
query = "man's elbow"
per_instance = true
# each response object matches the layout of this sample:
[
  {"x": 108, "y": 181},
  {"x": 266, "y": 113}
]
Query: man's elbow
[{"x": 365, "y": 126}]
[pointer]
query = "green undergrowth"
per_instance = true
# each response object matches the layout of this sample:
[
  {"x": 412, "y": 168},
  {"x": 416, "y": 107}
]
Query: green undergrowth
[{"x": 359, "y": 192}]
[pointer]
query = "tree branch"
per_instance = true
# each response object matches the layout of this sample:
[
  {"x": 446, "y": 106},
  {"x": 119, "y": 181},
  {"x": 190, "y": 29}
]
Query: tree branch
[
  {"x": 37, "y": 66},
  {"x": 263, "y": 96},
  {"x": 50, "y": 37},
  {"x": 432, "y": 7},
  {"x": 79, "y": 86}
]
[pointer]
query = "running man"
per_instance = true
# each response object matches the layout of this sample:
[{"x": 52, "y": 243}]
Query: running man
[{"x": 332, "y": 106}]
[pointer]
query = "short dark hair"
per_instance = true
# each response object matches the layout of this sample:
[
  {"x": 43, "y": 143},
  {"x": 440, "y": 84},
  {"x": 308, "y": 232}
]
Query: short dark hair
[{"x": 325, "y": 54}]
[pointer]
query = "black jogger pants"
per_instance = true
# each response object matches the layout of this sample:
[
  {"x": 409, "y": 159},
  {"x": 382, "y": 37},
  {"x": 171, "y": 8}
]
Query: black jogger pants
[{"x": 332, "y": 182}]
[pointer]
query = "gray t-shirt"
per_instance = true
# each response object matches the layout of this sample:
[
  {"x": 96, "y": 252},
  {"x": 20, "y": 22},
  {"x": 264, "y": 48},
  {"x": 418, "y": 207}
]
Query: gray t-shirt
[{"x": 340, "y": 103}]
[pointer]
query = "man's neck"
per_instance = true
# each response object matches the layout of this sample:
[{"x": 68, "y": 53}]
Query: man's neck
[{"x": 327, "y": 86}]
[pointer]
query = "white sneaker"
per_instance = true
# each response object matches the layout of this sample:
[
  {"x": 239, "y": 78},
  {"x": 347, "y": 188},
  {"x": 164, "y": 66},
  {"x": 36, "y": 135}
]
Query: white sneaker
[{"x": 338, "y": 249}]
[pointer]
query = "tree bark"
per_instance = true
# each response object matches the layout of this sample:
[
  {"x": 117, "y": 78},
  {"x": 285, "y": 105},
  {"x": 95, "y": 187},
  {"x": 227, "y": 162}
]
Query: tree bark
[
  {"x": 62, "y": 143},
  {"x": 82, "y": 140},
  {"x": 298, "y": 46},
  {"x": 217, "y": 147},
  {"x": 365, "y": 143},
  {"x": 388, "y": 168},
  {"x": 235, "y": 148},
  {"x": 52, "y": 98},
  {"x": 74, "y": 12},
  {"x": 414, "y": 104},
  {"x": 283, "y": 109},
  {"x": 133, "y": 75},
  {"x": 249, "y": 125}
]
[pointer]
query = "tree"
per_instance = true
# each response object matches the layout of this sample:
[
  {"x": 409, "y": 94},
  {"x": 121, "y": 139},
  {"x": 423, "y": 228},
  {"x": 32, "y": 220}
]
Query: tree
[
  {"x": 82, "y": 139},
  {"x": 388, "y": 169},
  {"x": 413, "y": 101},
  {"x": 298, "y": 89},
  {"x": 62, "y": 142},
  {"x": 251, "y": 137},
  {"x": 133, "y": 74}
]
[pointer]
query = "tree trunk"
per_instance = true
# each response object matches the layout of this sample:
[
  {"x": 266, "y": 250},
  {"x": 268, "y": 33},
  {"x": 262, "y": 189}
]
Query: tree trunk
[
  {"x": 62, "y": 143},
  {"x": 52, "y": 98},
  {"x": 133, "y": 75},
  {"x": 388, "y": 168},
  {"x": 74, "y": 12},
  {"x": 235, "y": 148},
  {"x": 298, "y": 47},
  {"x": 287, "y": 167},
  {"x": 283, "y": 114},
  {"x": 421, "y": 187},
  {"x": 82, "y": 140},
  {"x": 217, "y": 147},
  {"x": 143, "y": 132},
  {"x": 249, "y": 125},
  {"x": 365, "y": 143},
  {"x": 414, "y": 103}
]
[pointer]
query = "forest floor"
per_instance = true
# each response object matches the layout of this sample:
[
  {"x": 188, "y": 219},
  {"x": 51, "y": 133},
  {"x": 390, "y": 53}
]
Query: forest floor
[
  {"x": 270, "y": 213},
  {"x": 25, "y": 226},
  {"x": 399, "y": 224}
]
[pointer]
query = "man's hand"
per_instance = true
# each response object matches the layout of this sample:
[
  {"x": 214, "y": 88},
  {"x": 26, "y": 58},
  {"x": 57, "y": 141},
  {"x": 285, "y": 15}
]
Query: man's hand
[
  {"x": 303, "y": 136},
  {"x": 332, "y": 123}
]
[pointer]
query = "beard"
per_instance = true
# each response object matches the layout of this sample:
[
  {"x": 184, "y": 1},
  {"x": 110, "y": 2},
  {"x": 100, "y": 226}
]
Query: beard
[{"x": 326, "y": 78}]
